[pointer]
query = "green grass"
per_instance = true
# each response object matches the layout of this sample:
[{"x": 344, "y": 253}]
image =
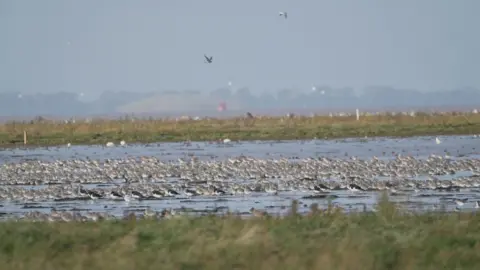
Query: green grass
[
  {"x": 387, "y": 239},
  {"x": 262, "y": 128}
]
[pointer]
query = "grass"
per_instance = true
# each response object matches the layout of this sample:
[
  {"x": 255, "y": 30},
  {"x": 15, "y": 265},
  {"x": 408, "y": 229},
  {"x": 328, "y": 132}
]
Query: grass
[
  {"x": 261, "y": 128},
  {"x": 327, "y": 239}
]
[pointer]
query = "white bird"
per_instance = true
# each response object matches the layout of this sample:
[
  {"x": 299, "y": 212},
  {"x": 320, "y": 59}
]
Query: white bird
[
  {"x": 437, "y": 140},
  {"x": 226, "y": 140},
  {"x": 122, "y": 142},
  {"x": 110, "y": 144},
  {"x": 68, "y": 145},
  {"x": 283, "y": 13},
  {"x": 461, "y": 202}
]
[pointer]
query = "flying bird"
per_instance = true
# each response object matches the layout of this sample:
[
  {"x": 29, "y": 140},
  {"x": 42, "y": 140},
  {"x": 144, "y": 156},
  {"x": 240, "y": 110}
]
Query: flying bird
[
  {"x": 208, "y": 59},
  {"x": 283, "y": 13}
]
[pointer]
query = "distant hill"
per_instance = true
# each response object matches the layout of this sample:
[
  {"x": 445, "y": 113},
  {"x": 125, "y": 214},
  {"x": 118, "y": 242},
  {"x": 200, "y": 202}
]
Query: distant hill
[{"x": 170, "y": 103}]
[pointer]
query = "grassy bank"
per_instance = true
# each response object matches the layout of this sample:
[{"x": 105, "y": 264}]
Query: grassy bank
[
  {"x": 382, "y": 240},
  {"x": 271, "y": 128}
]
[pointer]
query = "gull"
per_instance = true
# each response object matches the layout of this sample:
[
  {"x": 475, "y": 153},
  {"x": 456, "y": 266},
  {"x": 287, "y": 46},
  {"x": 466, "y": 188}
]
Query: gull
[
  {"x": 122, "y": 143},
  {"x": 461, "y": 202},
  {"x": 437, "y": 140},
  {"x": 283, "y": 13},
  {"x": 110, "y": 144}
]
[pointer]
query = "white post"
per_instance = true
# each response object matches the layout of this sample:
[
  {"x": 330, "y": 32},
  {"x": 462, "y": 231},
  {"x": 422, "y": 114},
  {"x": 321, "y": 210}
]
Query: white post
[{"x": 358, "y": 115}]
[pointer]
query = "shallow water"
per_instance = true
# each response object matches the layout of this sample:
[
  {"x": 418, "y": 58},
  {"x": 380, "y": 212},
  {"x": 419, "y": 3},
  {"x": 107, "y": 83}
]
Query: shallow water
[
  {"x": 275, "y": 204},
  {"x": 419, "y": 147},
  {"x": 383, "y": 148}
]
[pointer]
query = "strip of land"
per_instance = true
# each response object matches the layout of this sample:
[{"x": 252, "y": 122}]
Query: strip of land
[
  {"x": 44, "y": 133},
  {"x": 324, "y": 239}
]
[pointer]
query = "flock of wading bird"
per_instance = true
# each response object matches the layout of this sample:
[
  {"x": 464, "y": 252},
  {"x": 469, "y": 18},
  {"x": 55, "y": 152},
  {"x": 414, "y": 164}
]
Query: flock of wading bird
[{"x": 145, "y": 179}]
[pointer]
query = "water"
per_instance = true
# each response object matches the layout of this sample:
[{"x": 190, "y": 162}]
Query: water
[
  {"x": 419, "y": 147},
  {"x": 276, "y": 204},
  {"x": 383, "y": 148}
]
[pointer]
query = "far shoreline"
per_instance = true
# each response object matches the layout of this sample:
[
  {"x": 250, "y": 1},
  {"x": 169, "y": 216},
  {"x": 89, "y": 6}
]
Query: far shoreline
[{"x": 51, "y": 134}]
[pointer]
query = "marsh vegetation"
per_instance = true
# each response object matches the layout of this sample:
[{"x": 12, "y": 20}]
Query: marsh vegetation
[{"x": 44, "y": 132}]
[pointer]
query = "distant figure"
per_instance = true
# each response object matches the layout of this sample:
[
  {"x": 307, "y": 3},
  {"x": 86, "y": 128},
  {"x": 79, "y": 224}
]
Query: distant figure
[
  {"x": 249, "y": 119},
  {"x": 283, "y": 13},
  {"x": 208, "y": 59},
  {"x": 222, "y": 106}
]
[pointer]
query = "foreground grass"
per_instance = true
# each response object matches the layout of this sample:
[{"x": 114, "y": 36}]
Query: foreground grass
[
  {"x": 333, "y": 240},
  {"x": 264, "y": 128}
]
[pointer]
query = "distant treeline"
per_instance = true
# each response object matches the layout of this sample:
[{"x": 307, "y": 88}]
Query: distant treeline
[{"x": 322, "y": 98}]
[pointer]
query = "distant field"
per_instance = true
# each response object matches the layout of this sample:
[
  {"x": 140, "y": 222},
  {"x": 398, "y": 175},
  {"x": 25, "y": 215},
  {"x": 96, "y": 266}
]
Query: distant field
[
  {"x": 325, "y": 239},
  {"x": 259, "y": 128}
]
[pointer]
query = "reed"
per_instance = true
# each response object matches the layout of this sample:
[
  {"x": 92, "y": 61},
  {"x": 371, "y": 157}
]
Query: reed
[
  {"x": 325, "y": 239},
  {"x": 45, "y": 132}
]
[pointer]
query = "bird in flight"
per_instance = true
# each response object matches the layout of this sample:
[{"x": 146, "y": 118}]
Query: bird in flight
[
  {"x": 208, "y": 59},
  {"x": 283, "y": 13}
]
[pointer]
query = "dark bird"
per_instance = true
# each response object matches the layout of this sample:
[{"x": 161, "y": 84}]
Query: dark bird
[{"x": 208, "y": 59}]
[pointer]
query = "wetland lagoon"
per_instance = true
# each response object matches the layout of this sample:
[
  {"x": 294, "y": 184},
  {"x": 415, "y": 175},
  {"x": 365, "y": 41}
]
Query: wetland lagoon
[
  {"x": 196, "y": 178},
  {"x": 387, "y": 203}
]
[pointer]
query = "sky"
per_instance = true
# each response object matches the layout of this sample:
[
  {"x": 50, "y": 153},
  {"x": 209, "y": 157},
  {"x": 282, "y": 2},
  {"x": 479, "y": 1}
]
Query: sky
[{"x": 90, "y": 46}]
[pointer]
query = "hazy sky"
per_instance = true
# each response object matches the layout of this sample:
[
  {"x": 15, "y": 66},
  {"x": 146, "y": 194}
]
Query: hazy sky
[{"x": 144, "y": 45}]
